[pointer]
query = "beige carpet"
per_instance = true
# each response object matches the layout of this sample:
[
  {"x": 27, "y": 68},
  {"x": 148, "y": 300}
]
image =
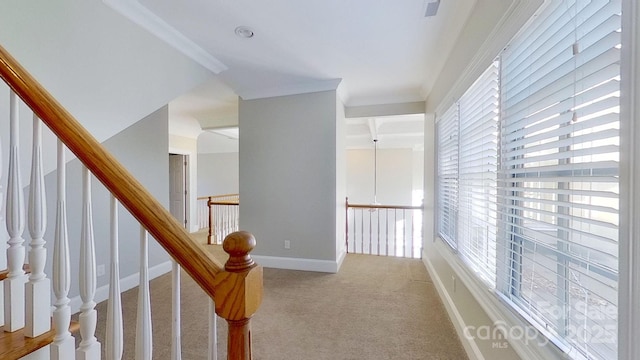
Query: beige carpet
[{"x": 374, "y": 308}]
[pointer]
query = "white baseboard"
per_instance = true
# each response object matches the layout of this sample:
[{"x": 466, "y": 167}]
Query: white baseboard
[
  {"x": 489, "y": 303},
  {"x": 341, "y": 256},
  {"x": 328, "y": 266},
  {"x": 470, "y": 346},
  {"x": 127, "y": 283}
]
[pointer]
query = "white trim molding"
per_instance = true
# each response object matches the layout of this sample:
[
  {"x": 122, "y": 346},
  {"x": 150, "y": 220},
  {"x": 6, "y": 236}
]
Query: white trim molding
[
  {"x": 278, "y": 262},
  {"x": 341, "y": 256},
  {"x": 629, "y": 243},
  {"x": 149, "y": 21},
  {"x": 516, "y": 15},
  {"x": 307, "y": 87},
  {"x": 470, "y": 345},
  {"x": 407, "y": 108},
  {"x": 497, "y": 311}
]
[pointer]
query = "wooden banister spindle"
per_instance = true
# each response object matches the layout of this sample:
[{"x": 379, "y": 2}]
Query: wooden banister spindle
[
  {"x": 38, "y": 288},
  {"x": 89, "y": 348},
  {"x": 239, "y": 293},
  {"x": 346, "y": 224},
  {"x": 63, "y": 346},
  {"x": 144, "y": 342},
  {"x": 14, "y": 305},
  {"x": 114, "y": 341},
  {"x": 210, "y": 221}
]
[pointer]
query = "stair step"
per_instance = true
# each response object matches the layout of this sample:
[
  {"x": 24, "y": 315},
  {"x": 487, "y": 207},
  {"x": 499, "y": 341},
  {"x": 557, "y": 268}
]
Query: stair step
[
  {"x": 5, "y": 273},
  {"x": 15, "y": 345}
]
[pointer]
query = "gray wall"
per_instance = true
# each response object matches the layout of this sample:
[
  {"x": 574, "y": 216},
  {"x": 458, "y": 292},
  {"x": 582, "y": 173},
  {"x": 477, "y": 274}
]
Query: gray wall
[
  {"x": 107, "y": 71},
  {"x": 341, "y": 181},
  {"x": 143, "y": 150},
  {"x": 288, "y": 174}
]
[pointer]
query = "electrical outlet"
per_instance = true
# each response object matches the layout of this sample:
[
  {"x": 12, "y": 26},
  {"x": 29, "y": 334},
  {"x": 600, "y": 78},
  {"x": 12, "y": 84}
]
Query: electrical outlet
[
  {"x": 287, "y": 244},
  {"x": 101, "y": 270}
]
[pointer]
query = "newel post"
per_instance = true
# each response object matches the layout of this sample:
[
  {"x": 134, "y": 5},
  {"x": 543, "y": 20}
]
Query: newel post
[{"x": 238, "y": 293}]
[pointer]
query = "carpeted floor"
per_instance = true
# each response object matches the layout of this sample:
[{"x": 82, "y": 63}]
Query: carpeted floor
[{"x": 374, "y": 308}]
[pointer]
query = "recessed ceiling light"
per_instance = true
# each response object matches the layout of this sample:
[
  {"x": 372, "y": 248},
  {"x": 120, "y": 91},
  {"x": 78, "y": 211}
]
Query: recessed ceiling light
[{"x": 244, "y": 32}]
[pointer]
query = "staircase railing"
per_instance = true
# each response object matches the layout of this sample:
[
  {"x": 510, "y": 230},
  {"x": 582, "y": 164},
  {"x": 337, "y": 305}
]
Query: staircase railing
[
  {"x": 390, "y": 230},
  {"x": 236, "y": 287},
  {"x": 222, "y": 216}
]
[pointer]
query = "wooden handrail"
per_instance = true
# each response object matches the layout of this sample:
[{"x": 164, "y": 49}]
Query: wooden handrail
[
  {"x": 223, "y": 203},
  {"x": 195, "y": 260},
  {"x": 399, "y": 207},
  {"x": 216, "y": 196}
]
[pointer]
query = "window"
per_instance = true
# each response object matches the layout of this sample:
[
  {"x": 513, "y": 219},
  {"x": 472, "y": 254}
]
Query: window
[
  {"x": 529, "y": 198},
  {"x": 478, "y": 168},
  {"x": 448, "y": 175},
  {"x": 559, "y": 173}
]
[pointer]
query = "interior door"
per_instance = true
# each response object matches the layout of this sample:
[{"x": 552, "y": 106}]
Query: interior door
[{"x": 178, "y": 188}]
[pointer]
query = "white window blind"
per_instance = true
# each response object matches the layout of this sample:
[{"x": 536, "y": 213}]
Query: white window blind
[
  {"x": 447, "y": 128},
  {"x": 558, "y": 178},
  {"x": 478, "y": 167}
]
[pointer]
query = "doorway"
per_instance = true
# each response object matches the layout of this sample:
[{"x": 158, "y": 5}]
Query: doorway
[{"x": 178, "y": 187}]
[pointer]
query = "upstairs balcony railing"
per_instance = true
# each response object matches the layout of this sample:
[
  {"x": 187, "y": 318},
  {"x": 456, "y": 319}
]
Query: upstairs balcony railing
[
  {"x": 388, "y": 230},
  {"x": 220, "y": 215}
]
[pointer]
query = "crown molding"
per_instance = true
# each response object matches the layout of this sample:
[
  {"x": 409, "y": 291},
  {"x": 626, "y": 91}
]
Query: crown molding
[
  {"x": 289, "y": 89},
  {"x": 513, "y": 20},
  {"x": 149, "y": 21}
]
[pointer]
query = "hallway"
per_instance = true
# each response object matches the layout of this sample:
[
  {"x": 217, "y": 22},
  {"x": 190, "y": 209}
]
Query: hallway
[{"x": 375, "y": 308}]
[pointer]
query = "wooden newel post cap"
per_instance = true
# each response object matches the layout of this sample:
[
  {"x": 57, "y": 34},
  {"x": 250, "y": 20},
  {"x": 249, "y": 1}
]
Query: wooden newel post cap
[{"x": 238, "y": 245}]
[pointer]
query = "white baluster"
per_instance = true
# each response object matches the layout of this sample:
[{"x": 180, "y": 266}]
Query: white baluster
[
  {"x": 3, "y": 259},
  {"x": 144, "y": 341},
  {"x": 14, "y": 299},
  {"x": 38, "y": 288},
  {"x": 176, "y": 346},
  {"x": 236, "y": 218},
  {"x": 114, "y": 337},
  {"x": 213, "y": 331},
  {"x": 63, "y": 344},
  {"x": 89, "y": 348}
]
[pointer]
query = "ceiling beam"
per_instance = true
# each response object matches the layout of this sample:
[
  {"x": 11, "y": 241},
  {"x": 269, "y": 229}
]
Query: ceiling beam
[
  {"x": 408, "y": 108},
  {"x": 373, "y": 128}
]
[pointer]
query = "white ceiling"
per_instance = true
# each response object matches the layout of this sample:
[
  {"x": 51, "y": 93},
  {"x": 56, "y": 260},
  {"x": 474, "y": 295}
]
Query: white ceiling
[{"x": 380, "y": 51}]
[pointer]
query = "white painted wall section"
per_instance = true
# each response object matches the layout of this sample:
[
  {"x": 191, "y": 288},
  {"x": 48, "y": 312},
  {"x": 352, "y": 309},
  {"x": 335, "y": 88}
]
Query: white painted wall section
[{"x": 395, "y": 176}]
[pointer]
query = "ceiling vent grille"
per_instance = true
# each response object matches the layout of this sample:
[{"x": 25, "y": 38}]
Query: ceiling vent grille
[{"x": 432, "y": 8}]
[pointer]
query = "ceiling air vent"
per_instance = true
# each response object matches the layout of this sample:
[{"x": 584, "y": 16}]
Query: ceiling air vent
[{"x": 432, "y": 8}]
